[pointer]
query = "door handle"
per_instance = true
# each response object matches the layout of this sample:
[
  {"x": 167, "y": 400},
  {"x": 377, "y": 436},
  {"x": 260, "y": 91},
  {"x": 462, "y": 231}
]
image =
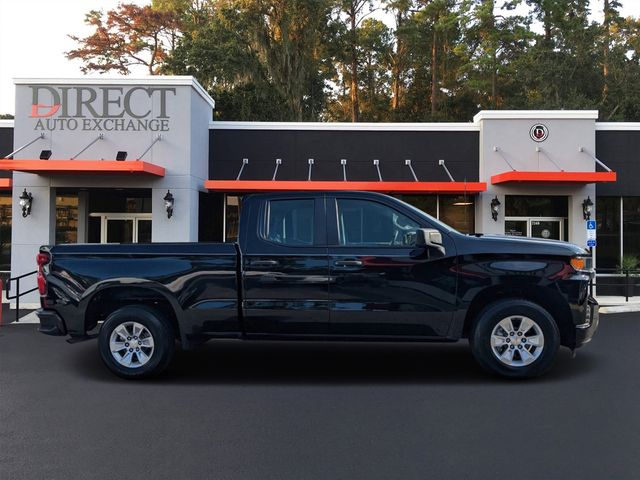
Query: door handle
[
  {"x": 348, "y": 263},
  {"x": 264, "y": 263}
]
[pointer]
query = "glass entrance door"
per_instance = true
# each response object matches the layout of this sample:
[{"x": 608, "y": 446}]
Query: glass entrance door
[
  {"x": 549, "y": 228},
  {"x": 119, "y": 230},
  {"x": 124, "y": 228}
]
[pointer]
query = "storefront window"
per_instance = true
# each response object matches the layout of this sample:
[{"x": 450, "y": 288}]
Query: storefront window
[
  {"x": 426, "y": 203},
  {"x": 458, "y": 211},
  {"x": 536, "y": 206},
  {"x": 5, "y": 232},
  {"x": 631, "y": 226},
  {"x": 608, "y": 217},
  {"x": 67, "y": 219}
]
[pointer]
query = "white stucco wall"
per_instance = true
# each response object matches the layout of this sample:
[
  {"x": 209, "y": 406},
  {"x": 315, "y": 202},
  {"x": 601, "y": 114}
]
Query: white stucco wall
[
  {"x": 180, "y": 110},
  {"x": 509, "y": 131}
]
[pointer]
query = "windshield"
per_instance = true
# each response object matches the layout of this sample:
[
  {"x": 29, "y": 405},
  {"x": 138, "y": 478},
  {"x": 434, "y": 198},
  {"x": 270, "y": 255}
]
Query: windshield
[{"x": 437, "y": 223}]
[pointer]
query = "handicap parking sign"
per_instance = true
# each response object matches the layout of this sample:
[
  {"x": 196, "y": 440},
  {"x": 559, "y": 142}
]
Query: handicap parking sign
[{"x": 591, "y": 233}]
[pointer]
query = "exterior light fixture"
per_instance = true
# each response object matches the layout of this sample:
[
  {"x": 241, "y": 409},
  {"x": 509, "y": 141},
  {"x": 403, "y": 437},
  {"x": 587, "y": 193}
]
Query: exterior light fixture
[
  {"x": 121, "y": 156},
  {"x": 25, "y": 203},
  {"x": 587, "y": 207},
  {"x": 45, "y": 154},
  {"x": 495, "y": 208},
  {"x": 168, "y": 203}
]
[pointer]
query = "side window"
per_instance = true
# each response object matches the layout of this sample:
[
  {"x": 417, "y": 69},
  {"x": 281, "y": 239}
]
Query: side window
[
  {"x": 290, "y": 222},
  {"x": 367, "y": 223}
]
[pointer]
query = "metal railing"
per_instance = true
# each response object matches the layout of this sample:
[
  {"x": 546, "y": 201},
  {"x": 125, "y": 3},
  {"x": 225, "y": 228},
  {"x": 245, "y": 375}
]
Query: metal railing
[
  {"x": 18, "y": 292},
  {"x": 625, "y": 281}
]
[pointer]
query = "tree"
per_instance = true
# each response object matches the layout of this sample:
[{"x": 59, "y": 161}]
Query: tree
[
  {"x": 373, "y": 69},
  {"x": 287, "y": 37},
  {"x": 353, "y": 12},
  {"x": 493, "y": 39},
  {"x": 612, "y": 19},
  {"x": 442, "y": 60},
  {"x": 398, "y": 56},
  {"x": 216, "y": 48},
  {"x": 131, "y": 35}
]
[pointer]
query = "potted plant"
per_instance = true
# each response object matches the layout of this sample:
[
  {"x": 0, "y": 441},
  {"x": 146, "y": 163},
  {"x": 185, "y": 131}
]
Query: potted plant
[{"x": 628, "y": 267}]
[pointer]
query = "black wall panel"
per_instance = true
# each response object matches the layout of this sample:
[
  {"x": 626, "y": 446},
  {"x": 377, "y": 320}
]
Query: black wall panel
[
  {"x": 6, "y": 147},
  {"x": 620, "y": 151},
  {"x": 227, "y": 148}
]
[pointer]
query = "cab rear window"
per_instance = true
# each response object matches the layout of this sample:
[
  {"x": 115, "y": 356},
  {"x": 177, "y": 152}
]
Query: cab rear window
[{"x": 290, "y": 222}]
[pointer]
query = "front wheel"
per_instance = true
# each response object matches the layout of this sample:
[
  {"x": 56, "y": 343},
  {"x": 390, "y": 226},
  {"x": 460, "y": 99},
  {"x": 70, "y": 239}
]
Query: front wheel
[
  {"x": 136, "y": 342},
  {"x": 515, "y": 338}
]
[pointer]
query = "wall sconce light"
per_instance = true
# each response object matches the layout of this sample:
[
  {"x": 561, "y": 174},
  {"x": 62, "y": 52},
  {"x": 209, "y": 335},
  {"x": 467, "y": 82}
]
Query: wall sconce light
[
  {"x": 495, "y": 208},
  {"x": 45, "y": 154},
  {"x": 25, "y": 203},
  {"x": 121, "y": 156},
  {"x": 168, "y": 203},
  {"x": 587, "y": 207}
]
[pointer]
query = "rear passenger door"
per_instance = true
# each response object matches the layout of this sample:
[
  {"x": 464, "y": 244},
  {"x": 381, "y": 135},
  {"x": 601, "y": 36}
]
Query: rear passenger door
[{"x": 286, "y": 268}]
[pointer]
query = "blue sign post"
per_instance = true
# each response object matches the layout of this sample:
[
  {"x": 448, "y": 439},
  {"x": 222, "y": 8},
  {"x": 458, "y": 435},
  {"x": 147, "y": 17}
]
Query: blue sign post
[{"x": 591, "y": 233}]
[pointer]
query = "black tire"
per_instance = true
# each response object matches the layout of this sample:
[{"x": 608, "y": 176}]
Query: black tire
[
  {"x": 491, "y": 316},
  {"x": 162, "y": 338}
]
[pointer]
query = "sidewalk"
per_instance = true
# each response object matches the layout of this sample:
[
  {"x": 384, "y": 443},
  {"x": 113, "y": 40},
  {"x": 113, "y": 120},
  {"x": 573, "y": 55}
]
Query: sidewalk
[
  {"x": 26, "y": 315},
  {"x": 615, "y": 304}
]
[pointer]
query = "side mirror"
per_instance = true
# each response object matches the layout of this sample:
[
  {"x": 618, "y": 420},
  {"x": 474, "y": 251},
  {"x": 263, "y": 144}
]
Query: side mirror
[{"x": 430, "y": 238}]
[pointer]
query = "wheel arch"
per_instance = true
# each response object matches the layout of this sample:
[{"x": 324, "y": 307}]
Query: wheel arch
[
  {"x": 549, "y": 299},
  {"x": 108, "y": 297}
]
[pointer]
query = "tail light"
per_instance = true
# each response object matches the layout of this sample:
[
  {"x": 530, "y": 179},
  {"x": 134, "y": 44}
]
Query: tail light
[{"x": 42, "y": 259}]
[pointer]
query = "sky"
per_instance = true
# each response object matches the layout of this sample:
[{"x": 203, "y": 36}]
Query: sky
[{"x": 34, "y": 37}]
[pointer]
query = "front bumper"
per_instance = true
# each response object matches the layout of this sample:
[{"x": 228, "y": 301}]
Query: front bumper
[
  {"x": 51, "y": 323},
  {"x": 586, "y": 330}
]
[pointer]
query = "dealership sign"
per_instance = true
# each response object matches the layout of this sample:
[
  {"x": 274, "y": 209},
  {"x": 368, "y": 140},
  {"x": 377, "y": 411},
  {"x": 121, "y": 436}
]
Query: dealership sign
[
  {"x": 100, "y": 109},
  {"x": 539, "y": 132}
]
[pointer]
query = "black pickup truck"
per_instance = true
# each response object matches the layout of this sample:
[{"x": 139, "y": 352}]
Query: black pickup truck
[{"x": 330, "y": 266}]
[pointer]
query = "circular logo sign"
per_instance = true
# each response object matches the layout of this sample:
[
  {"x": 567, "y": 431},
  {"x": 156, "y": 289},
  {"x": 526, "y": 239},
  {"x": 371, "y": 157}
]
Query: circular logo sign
[
  {"x": 545, "y": 233},
  {"x": 539, "y": 132}
]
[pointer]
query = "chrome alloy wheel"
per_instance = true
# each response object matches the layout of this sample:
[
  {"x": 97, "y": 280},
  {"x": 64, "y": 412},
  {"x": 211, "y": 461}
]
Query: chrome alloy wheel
[
  {"x": 131, "y": 344},
  {"x": 517, "y": 341}
]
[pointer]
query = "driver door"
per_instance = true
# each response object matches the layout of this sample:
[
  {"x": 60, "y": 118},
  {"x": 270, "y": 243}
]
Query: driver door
[{"x": 380, "y": 284}]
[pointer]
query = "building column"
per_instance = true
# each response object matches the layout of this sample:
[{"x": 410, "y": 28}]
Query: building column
[
  {"x": 183, "y": 224},
  {"x": 28, "y": 235},
  {"x": 83, "y": 216},
  {"x": 577, "y": 225},
  {"x": 484, "y": 221}
]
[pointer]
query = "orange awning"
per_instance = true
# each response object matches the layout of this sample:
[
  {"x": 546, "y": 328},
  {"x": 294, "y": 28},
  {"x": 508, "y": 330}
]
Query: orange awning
[
  {"x": 313, "y": 185},
  {"x": 6, "y": 183},
  {"x": 553, "y": 177},
  {"x": 79, "y": 167}
]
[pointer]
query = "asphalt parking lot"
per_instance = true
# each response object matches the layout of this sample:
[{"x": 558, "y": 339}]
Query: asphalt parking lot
[{"x": 325, "y": 411}]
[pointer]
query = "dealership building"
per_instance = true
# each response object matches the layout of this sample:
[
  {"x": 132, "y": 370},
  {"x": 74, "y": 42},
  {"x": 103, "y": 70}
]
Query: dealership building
[{"x": 140, "y": 160}]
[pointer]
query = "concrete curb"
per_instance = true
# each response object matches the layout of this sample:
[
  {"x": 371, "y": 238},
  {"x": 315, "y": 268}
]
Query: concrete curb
[{"x": 620, "y": 308}]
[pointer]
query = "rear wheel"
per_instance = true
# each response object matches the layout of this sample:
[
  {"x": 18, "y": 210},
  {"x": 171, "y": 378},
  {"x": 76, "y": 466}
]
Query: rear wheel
[
  {"x": 515, "y": 338},
  {"x": 136, "y": 342}
]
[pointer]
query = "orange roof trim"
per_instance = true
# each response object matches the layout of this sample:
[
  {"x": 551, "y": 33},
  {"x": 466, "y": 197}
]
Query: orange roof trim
[
  {"x": 79, "y": 167},
  {"x": 313, "y": 185},
  {"x": 553, "y": 177}
]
